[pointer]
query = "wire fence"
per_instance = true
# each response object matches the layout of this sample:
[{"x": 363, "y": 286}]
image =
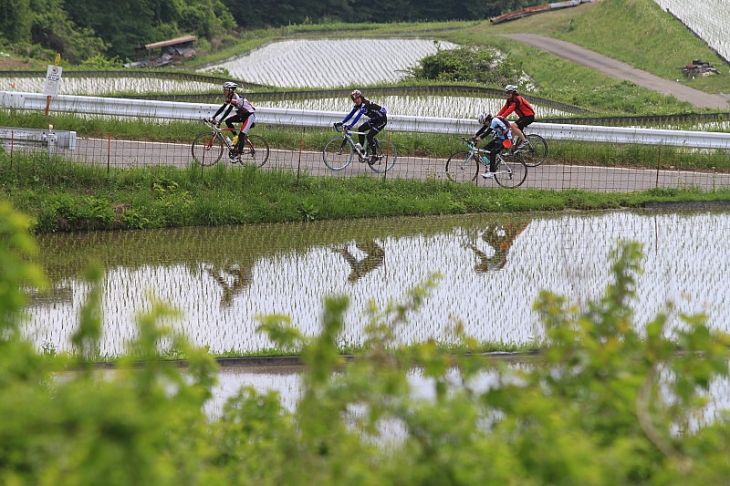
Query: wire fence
[{"x": 591, "y": 167}]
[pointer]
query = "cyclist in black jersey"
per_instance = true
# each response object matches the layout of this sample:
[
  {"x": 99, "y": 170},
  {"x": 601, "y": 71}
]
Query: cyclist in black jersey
[{"x": 378, "y": 118}]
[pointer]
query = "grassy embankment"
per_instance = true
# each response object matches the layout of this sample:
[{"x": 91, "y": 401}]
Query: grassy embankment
[{"x": 64, "y": 196}]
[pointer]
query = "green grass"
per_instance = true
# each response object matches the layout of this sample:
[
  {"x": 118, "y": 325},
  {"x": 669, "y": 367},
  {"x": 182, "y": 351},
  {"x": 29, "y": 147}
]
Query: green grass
[{"x": 64, "y": 196}]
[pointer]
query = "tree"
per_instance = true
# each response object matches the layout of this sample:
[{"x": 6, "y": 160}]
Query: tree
[
  {"x": 15, "y": 21},
  {"x": 52, "y": 29}
]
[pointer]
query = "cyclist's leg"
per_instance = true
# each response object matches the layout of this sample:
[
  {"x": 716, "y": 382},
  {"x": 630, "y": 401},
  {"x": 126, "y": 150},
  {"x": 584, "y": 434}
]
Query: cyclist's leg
[
  {"x": 493, "y": 147},
  {"x": 229, "y": 123},
  {"x": 247, "y": 122},
  {"x": 517, "y": 134},
  {"x": 522, "y": 123},
  {"x": 375, "y": 128},
  {"x": 363, "y": 128}
]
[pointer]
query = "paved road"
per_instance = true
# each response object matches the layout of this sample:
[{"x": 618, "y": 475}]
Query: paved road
[
  {"x": 125, "y": 154},
  {"x": 620, "y": 70}
]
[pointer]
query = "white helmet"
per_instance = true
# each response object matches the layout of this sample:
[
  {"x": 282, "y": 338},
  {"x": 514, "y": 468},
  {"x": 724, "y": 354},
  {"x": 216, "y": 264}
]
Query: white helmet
[
  {"x": 511, "y": 88},
  {"x": 484, "y": 118},
  {"x": 230, "y": 85}
]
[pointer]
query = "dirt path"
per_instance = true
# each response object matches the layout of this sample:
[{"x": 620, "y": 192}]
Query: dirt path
[{"x": 620, "y": 70}]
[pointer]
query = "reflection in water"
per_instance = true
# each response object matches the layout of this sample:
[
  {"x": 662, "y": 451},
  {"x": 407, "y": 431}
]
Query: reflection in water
[
  {"x": 290, "y": 269},
  {"x": 233, "y": 279},
  {"x": 59, "y": 294},
  {"x": 500, "y": 238},
  {"x": 374, "y": 258}
]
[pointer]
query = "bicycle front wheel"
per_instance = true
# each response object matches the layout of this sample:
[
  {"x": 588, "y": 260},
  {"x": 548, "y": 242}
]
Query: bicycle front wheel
[
  {"x": 536, "y": 152},
  {"x": 255, "y": 150},
  {"x": 337, "y": 153},
  {"x": 207, "y": 148},
  {"x": 385, "y": 157},
  {"x": 511, "y": 171},
  {"x": 462, "y": 166}
]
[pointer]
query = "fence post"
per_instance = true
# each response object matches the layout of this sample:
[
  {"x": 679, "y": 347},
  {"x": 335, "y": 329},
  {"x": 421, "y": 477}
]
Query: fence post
[
  {"x": 52, "y": 139},
  {"x": 658, "y": 165},
  {"x": 108, "y": 152},
  {"x": 301, "y": 148}
]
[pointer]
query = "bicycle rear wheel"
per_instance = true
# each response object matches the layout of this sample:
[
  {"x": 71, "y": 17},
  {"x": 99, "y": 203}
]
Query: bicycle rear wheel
[
  {"x": 337, "y": 153},
  {"x": 255, "y": 150},
  {"x": 536, "y": 152},
  {"x": 386, "y": 154},
  {"x": 207, "y": 148},
  {"x": 511, "y": 171},
  {"x": 462, "y": 166}
]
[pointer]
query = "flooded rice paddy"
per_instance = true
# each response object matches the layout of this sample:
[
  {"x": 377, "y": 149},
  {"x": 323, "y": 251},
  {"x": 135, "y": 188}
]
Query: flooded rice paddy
[{"x": 492, "y": 268}]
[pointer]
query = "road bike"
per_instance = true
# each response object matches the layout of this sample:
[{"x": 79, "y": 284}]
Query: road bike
[
  {"x": 339, "y": 152},
  {"x": 463, "y": 166},
  {"x": 208, "y": 147},
  {"x": 536, "y": 150}
]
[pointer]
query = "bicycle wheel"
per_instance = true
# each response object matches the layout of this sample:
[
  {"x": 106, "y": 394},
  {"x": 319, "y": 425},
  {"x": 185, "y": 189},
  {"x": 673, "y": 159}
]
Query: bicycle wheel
[
  {"x": 536, "y": 152},
  {"x": 511, "y": 171},
  {"x": 255, "y": 150},
  {"x": 208, "y": 148},
  {"x": 337, "y": 153},
  {"x": 386, "y": 155},
  {"x": 462, "y": 166}
]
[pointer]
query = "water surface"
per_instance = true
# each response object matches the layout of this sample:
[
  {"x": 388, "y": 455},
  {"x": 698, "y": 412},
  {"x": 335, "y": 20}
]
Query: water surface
[{"x": 492, "y": 268}]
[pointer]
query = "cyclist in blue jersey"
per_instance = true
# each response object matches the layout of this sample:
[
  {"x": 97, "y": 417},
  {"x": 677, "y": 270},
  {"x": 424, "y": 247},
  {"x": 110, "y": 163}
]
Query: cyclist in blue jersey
[
  {"x": 502, "y": 138},
  {"x": 378, "y": 118}
]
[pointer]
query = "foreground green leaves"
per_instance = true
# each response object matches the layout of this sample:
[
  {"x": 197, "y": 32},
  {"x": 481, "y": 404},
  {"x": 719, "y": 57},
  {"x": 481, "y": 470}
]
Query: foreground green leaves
[{"x": 609, "y": 400}]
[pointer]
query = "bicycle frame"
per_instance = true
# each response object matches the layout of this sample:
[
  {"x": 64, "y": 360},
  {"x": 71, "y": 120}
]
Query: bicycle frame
[
  {"x": 481, "y": 155},
  {"x": 217, "y": 133},
  {"x": 463, "y": 166},
  {"x": 339, "y": 152},
  {"x": 347, "y": 135},
  {"x": 208, "y": 147}
]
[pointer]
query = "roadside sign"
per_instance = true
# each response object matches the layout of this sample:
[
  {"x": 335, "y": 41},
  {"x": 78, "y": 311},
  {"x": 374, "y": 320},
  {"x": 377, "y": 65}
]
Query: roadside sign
[{"x": 53, "y": 80}]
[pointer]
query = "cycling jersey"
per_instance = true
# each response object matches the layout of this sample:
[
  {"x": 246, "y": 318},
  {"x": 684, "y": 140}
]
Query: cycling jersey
[
  {"x": 519, "y": 105},
  {"x": 499, "y": 126},
  {"x": 241, "y": 104},
  {"x": 367, "y": 108}
]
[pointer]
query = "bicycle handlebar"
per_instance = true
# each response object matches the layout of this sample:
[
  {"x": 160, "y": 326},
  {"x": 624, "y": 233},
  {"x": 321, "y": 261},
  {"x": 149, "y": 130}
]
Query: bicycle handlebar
[
  {"x": 343, "y": 129},
  {"x": 471, "y": 146},
  {"x": 210, "y": 124}
]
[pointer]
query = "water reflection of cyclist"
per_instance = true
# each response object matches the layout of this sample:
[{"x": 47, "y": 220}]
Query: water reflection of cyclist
[
  {"x": 375, "y": 256},
  {"x": 233, "y": 279},
  {"x": 500, "y": 238}
]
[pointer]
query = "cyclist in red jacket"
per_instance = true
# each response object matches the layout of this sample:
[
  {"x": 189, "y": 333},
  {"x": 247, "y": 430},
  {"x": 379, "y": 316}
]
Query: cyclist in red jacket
[{"x": 521, "y": 107}]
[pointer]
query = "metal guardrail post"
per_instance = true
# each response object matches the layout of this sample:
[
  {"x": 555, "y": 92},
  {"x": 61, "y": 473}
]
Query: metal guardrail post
[{"x": 51, "y": 140}]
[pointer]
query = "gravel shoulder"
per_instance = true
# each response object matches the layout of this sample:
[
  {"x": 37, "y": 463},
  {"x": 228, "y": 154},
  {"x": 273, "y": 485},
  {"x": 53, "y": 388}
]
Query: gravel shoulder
[{"x": 620, "y": 70}]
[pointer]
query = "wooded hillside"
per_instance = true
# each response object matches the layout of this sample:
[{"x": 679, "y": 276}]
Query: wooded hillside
[{"x": 82, "y": 29}]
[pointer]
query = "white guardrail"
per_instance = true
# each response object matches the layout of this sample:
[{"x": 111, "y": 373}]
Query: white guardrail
[
  {"x": 278, "y": 116},
  {"x": 30, "y": 137}
]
